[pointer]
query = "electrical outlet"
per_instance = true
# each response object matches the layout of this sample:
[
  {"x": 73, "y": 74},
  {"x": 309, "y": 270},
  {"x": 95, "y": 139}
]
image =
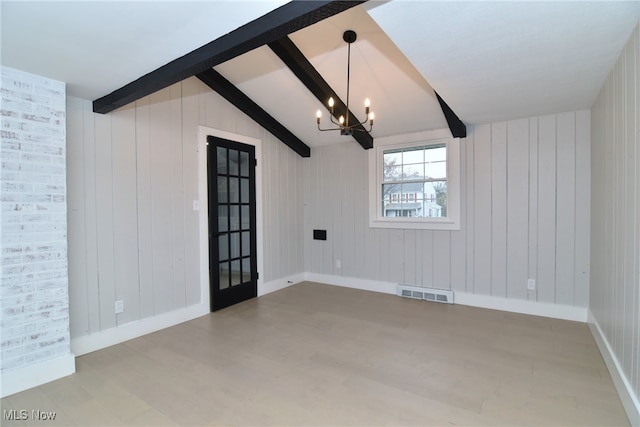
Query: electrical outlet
[
  {"x": 531, "y": 284},
  {"x": 338, "y": 263},
  {"x": 196, "y": 205},
  {"x": 119, "y": 306}
]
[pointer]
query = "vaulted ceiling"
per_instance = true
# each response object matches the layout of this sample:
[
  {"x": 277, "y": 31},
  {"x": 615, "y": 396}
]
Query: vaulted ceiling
[{"x": 489, "y": 61}]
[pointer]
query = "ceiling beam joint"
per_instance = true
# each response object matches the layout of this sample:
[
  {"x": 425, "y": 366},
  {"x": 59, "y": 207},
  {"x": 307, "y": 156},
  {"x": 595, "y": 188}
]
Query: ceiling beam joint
[
  {"x": 235, "y": 96},
  {"x": 276, "y": 24},
  {"x": 289, "y": 53},
  {"x": 458, "y": 129}
]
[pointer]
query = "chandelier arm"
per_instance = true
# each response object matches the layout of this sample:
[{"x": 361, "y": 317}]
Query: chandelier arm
[
  {"x": 353, "y": 128},
  {"x": 332, "y": 118},
  {"x": 325, "y": 130},
  {"x": 357, "y": 128}
]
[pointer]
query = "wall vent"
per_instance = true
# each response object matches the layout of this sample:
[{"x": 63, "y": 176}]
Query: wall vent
[{"x": 428, "y": 294}]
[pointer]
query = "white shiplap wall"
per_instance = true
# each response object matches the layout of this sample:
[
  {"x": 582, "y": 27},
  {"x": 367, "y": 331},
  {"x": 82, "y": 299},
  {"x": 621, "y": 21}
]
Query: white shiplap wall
[
  {"x": 525, "y": 214},
  {"x": 133, "y": 175},
  {"x": 615, "y": 227}
]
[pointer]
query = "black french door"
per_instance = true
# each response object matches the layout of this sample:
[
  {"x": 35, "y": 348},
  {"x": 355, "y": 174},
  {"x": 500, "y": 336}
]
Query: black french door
[{"x": 233, "y": 268}]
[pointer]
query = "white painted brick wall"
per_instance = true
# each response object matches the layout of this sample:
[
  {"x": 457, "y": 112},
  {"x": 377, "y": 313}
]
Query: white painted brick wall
[{"x": 34, "y": 298}]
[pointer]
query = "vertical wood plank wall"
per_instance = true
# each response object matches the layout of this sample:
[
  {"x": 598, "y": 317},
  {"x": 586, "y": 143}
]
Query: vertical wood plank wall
[
  {"x": 133, "y": 234},
  {"x": 525, "y": 214},
  {"x": 615, "y": 202}
]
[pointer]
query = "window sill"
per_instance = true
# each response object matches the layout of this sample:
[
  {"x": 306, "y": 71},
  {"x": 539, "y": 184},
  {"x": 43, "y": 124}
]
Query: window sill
[{"x": 418, "y": 224}]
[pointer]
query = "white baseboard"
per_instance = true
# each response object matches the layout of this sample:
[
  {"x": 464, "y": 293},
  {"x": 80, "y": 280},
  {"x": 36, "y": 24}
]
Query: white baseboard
[
  {"x": 281, "y": 283},
  {"x": 352, "y": 282},
  {"x": 89, "y": 343},
  {"x": 623, "y": 386},
  {"x": 17, "y": 380},
  {"x": 555, "y": 311}
]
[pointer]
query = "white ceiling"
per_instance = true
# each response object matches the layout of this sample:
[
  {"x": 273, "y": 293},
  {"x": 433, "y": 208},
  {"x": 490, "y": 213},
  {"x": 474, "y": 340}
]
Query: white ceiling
[{"x": 490, "y": 61}]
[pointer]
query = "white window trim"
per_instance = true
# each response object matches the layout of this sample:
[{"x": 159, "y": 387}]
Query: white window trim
[{"x": 452, "y": 221}]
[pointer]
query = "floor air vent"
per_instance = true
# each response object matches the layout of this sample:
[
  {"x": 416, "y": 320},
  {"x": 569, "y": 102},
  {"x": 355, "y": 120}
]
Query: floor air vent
[{"x": 428, "y": 294}]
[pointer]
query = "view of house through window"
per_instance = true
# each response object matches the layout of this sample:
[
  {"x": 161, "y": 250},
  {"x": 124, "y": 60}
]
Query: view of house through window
[{"x": 414, "y": 182}]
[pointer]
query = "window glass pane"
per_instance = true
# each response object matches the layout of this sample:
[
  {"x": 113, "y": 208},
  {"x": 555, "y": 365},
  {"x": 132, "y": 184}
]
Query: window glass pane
[
  {"x": 392, "y": 172},
  {"x": 440, "y": 188},
  {"x": 393, "y": 157},
  {"x": 436, "y": 162},
  {"x": 222, "y": 160},
  {"x": 391, "y": 198},
  {"x": 413, "y": 156},
  {"x": 413, "y": 171},
  {"x": 390, "y": 192},
  {"x": 434, "y": 199},
  {"x": 244, "y": 163},
  {"x": 392, "y": 161}
]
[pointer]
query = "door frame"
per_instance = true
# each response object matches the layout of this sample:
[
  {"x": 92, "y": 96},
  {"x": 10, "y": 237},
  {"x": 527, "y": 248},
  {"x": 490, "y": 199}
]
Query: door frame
[{"x": 203, "y": 201}]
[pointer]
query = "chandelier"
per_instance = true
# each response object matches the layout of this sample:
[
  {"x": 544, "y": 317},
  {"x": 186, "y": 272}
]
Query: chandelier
[{"x": 343, "y": 124}]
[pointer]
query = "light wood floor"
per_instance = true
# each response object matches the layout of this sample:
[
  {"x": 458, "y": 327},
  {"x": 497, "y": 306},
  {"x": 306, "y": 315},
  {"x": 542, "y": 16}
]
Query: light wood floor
[{"x": 317, "y": 354}]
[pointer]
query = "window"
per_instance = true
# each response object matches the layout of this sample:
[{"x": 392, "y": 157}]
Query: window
[{"x": 414, "y": 182}]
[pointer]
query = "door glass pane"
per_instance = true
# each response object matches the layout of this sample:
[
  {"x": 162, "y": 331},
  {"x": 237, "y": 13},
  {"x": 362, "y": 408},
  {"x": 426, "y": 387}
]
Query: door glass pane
[
  {"x": 246, "y": 219},
  {"x": 236, "y": 277},
  {"x": 246, "y": 243},
  {"x": 244, "y": 193},
  {"x": 223, "y": 247},
  {"x": 223, "y": 275},
  {"x": 223, "y": 217},
  {"x": 233, "y": 162},
  {"x": 244, "y": 163},
  {"x": 235, "y": 218},
  {"x": 235, "y": 245},
  {"x": 234, "y": 184},
  {"x": 222, "y": 189},
  {"x": 222, "y": 160},
  {"x": 246, "y": 269}
]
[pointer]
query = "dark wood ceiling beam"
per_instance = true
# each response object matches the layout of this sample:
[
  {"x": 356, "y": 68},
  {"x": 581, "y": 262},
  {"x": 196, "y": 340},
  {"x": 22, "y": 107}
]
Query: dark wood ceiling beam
[
  {"x": 235, "y": 96},
  {"x": 289, "y": 53},
  {"x": 276, "y": 24},
  {"x": 458, "y": 129}
]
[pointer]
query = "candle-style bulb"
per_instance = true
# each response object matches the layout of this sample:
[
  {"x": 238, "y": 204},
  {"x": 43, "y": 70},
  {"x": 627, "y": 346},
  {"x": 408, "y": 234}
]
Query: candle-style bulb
[
  {"x": 371, "y": 116},
  {"x": 367, "y": 103},
  {"x": 331, "y": 102},
  {"x": 341, "y": 119},
  {"x": 318, "y": 115}
]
